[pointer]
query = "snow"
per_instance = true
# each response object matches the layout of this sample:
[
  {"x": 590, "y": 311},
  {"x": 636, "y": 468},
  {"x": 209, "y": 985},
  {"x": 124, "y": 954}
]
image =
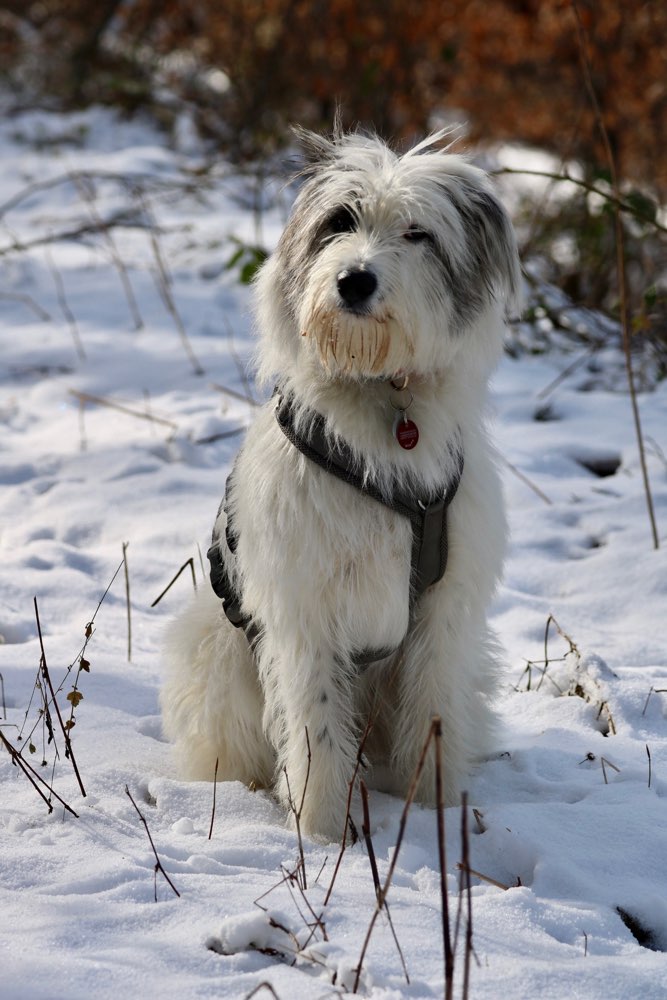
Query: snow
[{"x": 568, "y": 821}]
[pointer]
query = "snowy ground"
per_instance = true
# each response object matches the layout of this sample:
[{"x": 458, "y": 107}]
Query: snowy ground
[{"x": 572, "y": 809}]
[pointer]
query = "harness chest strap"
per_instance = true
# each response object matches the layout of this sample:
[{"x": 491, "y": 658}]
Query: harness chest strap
[{"x": 428, "y": 520}]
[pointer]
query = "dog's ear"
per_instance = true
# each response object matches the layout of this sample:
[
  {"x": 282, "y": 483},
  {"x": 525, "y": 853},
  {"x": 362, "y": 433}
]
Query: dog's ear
[{"x": 494, "y": 242}]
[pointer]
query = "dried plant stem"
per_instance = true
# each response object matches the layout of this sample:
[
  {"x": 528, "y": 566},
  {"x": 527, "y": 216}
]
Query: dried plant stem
[
  {"x": 164, "y": 282},
  {"x": 529, "y": 483},
  {"x": 158, "y": 863},
  {"x": 613, "y": 197},
  {"x": 128, "y": 603},
  {"x": 436, "y": 730},
  {"x": 366, "y": 830},
  {"x": 34, "y": 777},
  {"x": 87, "y": 397},
  {"x": 301, "y": 868},
  {"x": 69, "y": 752},
  {"x": 648, "y": 754},
  {"x": 465, "y": 860},
  {"x": 64, "y": 305},
  {"x": 620, "y": 264},
  {"x": 215, "y": 789},
  {"x": 232, "y": 392},
  {"x": 84, "y": 186},
  {"x": 188, "y": 562},
  {"x": 392, "y": 864},
  {"x": 483, "y": 878},
  {"x": 27, "y": 301},
  {"x": 350, "y": 791}
]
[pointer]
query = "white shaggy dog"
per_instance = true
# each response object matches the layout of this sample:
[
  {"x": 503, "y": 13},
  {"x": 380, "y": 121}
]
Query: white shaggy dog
[{"x": 381, "y": 317}]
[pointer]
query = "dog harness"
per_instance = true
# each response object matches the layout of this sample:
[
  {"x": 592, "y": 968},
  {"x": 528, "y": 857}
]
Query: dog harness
[{"x": 427, "y": 516}]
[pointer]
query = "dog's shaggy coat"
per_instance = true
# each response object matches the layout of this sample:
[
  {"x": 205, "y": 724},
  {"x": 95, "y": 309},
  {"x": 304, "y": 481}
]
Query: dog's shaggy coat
[{"x": 389, "y": 267}]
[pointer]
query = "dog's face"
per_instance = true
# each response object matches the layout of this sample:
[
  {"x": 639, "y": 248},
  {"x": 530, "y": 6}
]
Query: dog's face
[{"x": 389, "y": 264}]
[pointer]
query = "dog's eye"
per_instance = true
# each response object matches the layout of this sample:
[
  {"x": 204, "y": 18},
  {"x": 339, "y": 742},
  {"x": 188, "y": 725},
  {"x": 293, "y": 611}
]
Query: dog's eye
[
  {"x": 342, "y": 221},
  {"x": 416, "y": 235}
]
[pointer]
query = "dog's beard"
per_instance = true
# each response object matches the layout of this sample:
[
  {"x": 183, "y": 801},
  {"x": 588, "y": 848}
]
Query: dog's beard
[{"x": 358, "y": 346}]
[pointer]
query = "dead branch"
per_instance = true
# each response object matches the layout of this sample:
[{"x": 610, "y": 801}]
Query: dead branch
[
  {"x": 69, "y": 752},
  {"x": 188, "y": 562},
  {"x": 158, "y": 863}
]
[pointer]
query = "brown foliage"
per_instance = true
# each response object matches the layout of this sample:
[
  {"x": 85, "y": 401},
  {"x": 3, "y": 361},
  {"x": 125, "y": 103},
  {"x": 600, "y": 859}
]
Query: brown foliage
[{"x": 511, "y": 68}]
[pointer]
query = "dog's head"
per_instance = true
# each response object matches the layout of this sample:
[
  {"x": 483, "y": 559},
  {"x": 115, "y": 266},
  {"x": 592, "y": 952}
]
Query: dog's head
[{"x": 388, "y": 263}]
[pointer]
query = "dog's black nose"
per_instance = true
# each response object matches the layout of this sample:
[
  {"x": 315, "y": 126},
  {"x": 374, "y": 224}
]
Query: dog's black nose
[{"x": 356, "y": 287}]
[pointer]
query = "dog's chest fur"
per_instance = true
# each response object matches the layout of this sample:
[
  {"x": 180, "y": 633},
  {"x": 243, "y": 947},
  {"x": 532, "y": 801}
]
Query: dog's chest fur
[{"x": 330, "y": 549}]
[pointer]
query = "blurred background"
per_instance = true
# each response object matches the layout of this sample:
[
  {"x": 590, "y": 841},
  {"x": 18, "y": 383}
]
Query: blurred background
[{"x": 240, "y": 71}]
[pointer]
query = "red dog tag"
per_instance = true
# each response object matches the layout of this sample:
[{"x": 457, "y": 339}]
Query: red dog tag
[{"x": 407, "y": 433}]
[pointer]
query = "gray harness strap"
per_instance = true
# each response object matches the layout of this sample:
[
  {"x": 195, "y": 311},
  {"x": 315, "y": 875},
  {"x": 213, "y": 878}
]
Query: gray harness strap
[{"x": 428, "y": 518}]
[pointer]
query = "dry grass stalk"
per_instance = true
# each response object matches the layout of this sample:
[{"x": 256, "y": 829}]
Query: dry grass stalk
[
  {"x": 529, "y": 483},
  {"x": 188, "y": 562},
  {"x": 34, "y": 777},
  {"x": 300, "y": 871},
  {"x": 85, "y": 187},
  {"x": 366, "y": 830},
  {"x": 28, "y": 301},
  {"x": 69, "y": 752},
  {"x": 392, "y": 864},
  {"x": 164, "y": 282},
  {"x": 648, "y": 754},
  {"x": 648, "y": 697},
  {"x": 215, "y": 789},
  {"x": 604, "y": 764},
  {"x": 87, "y": 397},
  {"x": 127, "y": 603},
  {"x": 158, "y": 863},
  {"x": 346, "y": 823},
  {"x": 232, "y": 392},
  {"x": 465, "y": 860},
  {"x": 484, "y": 878},
  {"x": 436, "y": 730},
  {"x": 258, "y": 988},
  {"x": 620, "y": 263},
  {"x": 64, "y": 306}
]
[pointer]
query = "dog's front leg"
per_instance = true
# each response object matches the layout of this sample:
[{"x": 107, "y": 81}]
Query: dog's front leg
[
  {"x": 310, "y": 720},
  {"x": 448, "y": 669}
]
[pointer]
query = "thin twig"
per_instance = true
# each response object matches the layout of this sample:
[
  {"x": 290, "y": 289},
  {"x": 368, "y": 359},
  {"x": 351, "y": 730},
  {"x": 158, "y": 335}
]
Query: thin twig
[
  {"x": 158, "y": 863},
  {"x": 350, "y": 791},
  {"x": 127, "y": 603},
  {"x": 33, "y": 776},
  {"x": 64, "y": 305},
  {"x": 648, "y": 754},
  {"x": 366, "y": 830},
  {"x": 69, "y": 752},
  {"x": 27, "y": 301},
  {"x": 604, "y": 762},
  {"x": 524, "y": 479},
  {"x": 188, "y": 562},
  {"x": 465, "y": 858},
  {"x": 484, "y": 878},
  {"x": 164, "y": 282},
  {"x": 448, "y": 954},
  {"x": 215, "y": 788},
  {"x": 620, "y": 266},
  {"x": 84, "y": 186},
  {"x": 87, "y": 397},
  {"x": 610, "y": 196},
  {"x": 232, "y": 392},
  {"x": 394, "y": 860}
]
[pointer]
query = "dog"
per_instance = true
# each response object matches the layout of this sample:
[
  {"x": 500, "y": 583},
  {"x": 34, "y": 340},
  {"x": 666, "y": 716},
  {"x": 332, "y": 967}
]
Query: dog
[{"x": 381, "y": 317}]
